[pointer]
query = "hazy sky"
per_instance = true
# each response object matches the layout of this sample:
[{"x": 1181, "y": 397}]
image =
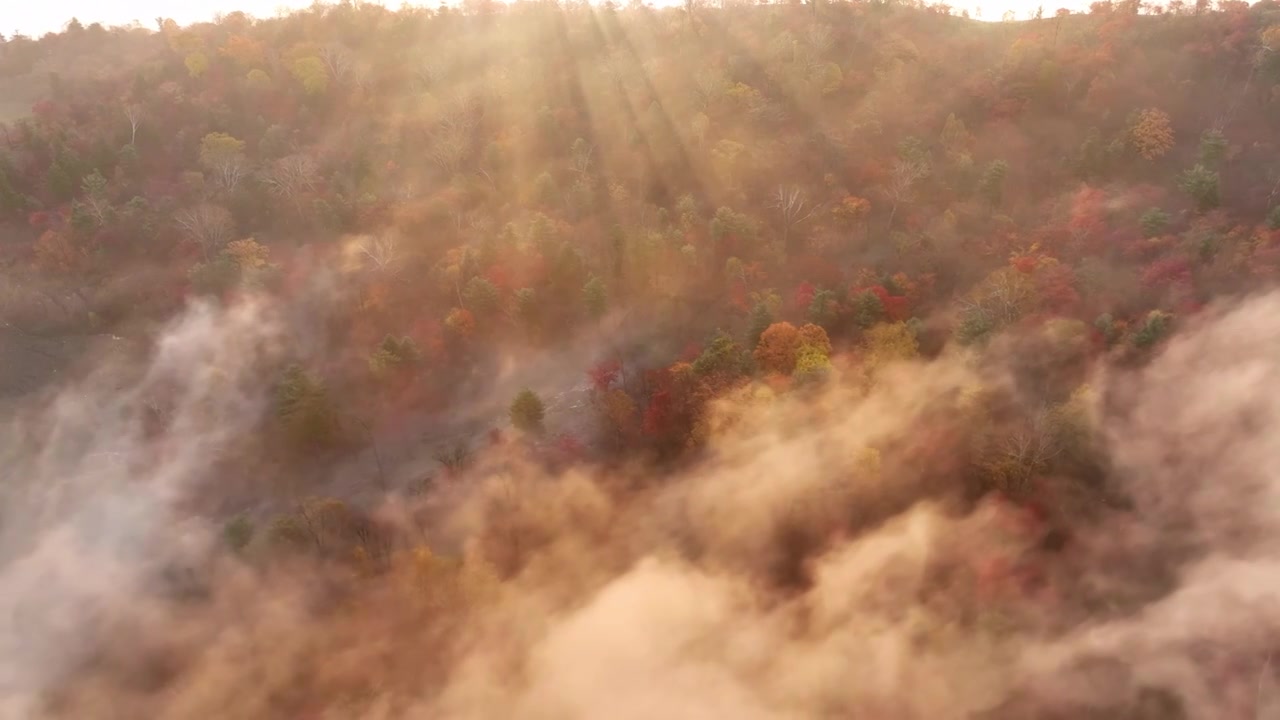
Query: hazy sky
[{"x": 35, "y": 17}]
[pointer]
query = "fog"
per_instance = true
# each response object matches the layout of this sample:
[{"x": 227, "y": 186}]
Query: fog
[{"x": 821, "y": 559}]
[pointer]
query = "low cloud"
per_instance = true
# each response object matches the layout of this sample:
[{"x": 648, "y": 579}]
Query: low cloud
[{"x": 826, "y": 557}]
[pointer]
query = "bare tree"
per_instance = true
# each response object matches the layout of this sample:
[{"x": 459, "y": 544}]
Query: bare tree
[
  {"x": 902, "y": 182},
  {"x": 223, "y": 156},
  {"x": 337, "y": 58},
  {"x": 819, "y": 40},
  {"x": 581, "y": 157},
  {"x": 228, "y": 171},
  {"x": 793, "y": 210},
  {"x": 379, "y": 252},
  {"x": 95, "y": 201},
  {"x": 208, "y": 225},
  {"x": 1026, "y": 453},
  {"x": 451, "y": 140},
  {"x": 455, "y": 458},
  {"x": 291, "y": 177},
  {"x": 1275, "y": 190},
  {"x": 1002, "y": 297},
  {"x": 133, "y": 112}
]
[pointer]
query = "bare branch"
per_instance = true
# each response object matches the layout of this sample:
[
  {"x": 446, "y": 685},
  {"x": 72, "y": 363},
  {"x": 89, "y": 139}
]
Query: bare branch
[
  {"x": 291, "y": 177},
  {"x": 208, "y": 225},
  {"x": 133, "y": 112},
  {"x": 337, "y": 58},
  {"x": 379, "y": 252}
]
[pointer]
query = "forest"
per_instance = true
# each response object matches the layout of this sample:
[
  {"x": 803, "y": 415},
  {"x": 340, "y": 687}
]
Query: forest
[{"x": 544, "y": 359}]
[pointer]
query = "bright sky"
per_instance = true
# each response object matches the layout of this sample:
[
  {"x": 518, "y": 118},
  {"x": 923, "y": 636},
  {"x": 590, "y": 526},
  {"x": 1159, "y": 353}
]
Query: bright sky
[{"x": 36, "y": 17}]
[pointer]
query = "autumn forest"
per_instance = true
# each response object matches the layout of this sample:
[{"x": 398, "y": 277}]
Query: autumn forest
[{"x": 538, "y": 360}]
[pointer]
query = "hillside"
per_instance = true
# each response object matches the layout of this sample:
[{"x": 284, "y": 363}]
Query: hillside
[{"x": 555, "y": 360}]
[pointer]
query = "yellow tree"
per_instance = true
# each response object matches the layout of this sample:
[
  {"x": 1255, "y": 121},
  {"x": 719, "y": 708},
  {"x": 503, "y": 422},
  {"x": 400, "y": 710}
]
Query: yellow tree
[
  {"x": 247, "y": 254},
  {"x": 814, "y": 336},
  {"x": 1152, "y": 134},
  {"x": 310, "y": 71},
  {"x": 889, "y": 342},
  {"x": 811, "y": 362},
  {"x": 197, "y": 64}
]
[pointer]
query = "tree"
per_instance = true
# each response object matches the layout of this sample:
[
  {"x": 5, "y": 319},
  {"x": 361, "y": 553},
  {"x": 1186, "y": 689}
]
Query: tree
[
  {"x": 480, "y": 296},
  {"x": 722, "y": 358},
  {"x": 1154, "y": 327},
  {"x": 311, "y": 73},
  {"x": 133, "y": 112},
  {"x": 851, "y": 211},
  {"x": 394, "y": 355},
  {"x": 1201, "y": 184},
  {"x": 209, "y": 226},
  {"x": 793, "y": 210},
  {"x": 991, "y": 184},
  {"x": 868, "y": 309},
  {"x": 822, "y": 308},
  {"x": 257, "y": 79},
  {"x": 243, "y": 51},
  {"x": 1024, "y": 453},
  {"x": 291, "y": 178},
  {"x": 248, "y": 254},
  {"x": 197, "y": 64},
  {"x": 213, "y": 277},
  {"x": 337, "y": 60},
  {"x": 379, "y": 252},
  {"x": 813, "y": 359},
  {"x": 814, "y": 336},
  {"x": 776, "y": 351},
  {"x": 1154, "y": 222},
  {"x": 1213, "y": 148},
  {"x": 594, "y": 297},
  {"x": 761, "y": 319},
  {"x": 811, "y": 364},
  {"x": 1151, "y": 134},
  {"x": 93, "y": 199},
  {"x": 451, "y": 139},
  {"x": 544, "y": 190},
  {"x": 955, "y": 136},
  {"x": 902, "y": 181},
  {"x": 223, "y": 156},
  {"x": 887, "y": 343},
  {"x": 460, "y": 323},
  {"x": 238, "y": 532},
  {"x": 619, "y": 412},
  {"x": 304, "y": 407},
  {"x": 580, "y": 156},
  {"x": 527, "y": 412}
]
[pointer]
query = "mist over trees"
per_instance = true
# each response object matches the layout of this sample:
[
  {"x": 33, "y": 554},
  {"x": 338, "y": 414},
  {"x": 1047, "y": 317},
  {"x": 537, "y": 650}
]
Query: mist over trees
[{"x": 545, "y": 359}]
